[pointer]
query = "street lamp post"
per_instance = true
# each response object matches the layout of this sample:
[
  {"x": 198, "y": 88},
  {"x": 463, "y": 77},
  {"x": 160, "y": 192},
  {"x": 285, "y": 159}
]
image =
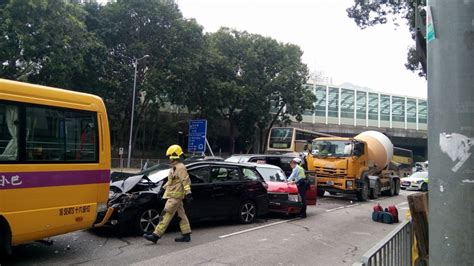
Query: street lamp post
[{"x": 135, "y": 63}]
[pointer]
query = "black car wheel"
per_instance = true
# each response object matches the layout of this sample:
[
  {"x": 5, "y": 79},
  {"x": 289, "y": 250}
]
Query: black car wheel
[
  {"x": 247, "y": 212},
  {"x": 147, "y": 220}
]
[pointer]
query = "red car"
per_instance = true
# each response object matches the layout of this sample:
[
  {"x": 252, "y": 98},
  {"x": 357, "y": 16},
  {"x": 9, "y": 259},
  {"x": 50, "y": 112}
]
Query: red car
[{"x": 283, "y": 196}]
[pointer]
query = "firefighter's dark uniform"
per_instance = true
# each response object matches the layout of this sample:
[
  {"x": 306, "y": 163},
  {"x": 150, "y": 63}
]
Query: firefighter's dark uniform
[{"x": 177, "y": 187}]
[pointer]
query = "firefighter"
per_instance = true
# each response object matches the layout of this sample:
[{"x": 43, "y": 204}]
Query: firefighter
[
  {"x": 298, "y": 177},
  {"x": 177, "y": 188}
]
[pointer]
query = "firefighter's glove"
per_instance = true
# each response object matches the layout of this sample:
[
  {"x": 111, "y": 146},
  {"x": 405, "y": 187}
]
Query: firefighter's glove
[{"x": 189, "y": 198}]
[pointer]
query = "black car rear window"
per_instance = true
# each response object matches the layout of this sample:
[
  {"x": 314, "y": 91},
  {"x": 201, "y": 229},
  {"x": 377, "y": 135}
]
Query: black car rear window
[{"x": 250, "y": 174}]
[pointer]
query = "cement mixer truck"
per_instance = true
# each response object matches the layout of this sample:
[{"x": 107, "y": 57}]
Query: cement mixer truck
[{"x": 356, "y": 165}]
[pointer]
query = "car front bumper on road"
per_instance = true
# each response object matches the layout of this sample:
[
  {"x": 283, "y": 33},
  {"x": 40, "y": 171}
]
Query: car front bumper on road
[
  {"x": 410, "y": 185},
  {"x": 103, "y": 217},
  {"x": 288, "y": 207},
  {"x": 280, "y": 203}
]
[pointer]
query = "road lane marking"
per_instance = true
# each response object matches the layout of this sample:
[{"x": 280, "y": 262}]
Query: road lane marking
[
  {"x": 257, "y": 228},
  {"x": 324, "y": 243},
  {"x": 343, "y": 207},
  {"x": 352, "y": 205},
  {"x": 335, "y": 209},
  {"x": 361, "y": 233}
]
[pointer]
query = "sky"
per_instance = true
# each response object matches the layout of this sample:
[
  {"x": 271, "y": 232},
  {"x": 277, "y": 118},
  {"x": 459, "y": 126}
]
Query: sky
[{"x": 331, "y": 41}]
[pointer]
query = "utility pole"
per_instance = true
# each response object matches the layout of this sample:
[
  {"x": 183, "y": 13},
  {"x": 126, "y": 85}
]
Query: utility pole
[
  {"x": 451, "y": 131},
  {"x": 135, "y": 65},
  {"x": 129, "y": 155}
]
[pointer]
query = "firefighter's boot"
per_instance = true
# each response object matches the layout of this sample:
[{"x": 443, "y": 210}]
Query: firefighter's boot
[
  {"x": 183, "y": 238},
  {"x": 151, "y": 237}
]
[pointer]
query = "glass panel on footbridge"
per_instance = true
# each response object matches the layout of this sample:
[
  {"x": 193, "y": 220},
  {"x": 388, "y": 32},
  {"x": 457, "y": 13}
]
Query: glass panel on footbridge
[
  {"x": 373, "y": 109},
  {"x": 320, "y": 106},
  {"x": 347, "y": 107},
  {"x": 411, "y": 113},
  {"x": 398, "y": 112}
]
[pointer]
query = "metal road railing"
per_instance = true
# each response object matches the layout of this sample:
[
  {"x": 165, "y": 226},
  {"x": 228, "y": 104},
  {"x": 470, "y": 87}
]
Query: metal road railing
[
  {"x": 135, "y": 163},
  {"x": 394, "y": 249}
]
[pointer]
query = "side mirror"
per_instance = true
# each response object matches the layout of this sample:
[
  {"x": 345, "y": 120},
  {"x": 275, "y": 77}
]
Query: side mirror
[{"x": 357, "y": 152}]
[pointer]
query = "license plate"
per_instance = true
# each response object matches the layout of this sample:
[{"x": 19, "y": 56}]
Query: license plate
[
  {"x": 329, "y": 183},
  {"x": 405, "y": 183}
]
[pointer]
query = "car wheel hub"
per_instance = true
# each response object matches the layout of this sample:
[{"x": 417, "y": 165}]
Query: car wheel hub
[
  {"x": 149, "y": 220},
  {"x": 248, "y": 212}
]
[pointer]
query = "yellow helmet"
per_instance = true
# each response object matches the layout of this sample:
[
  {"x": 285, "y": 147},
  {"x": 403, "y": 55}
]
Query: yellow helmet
[{"x": 174, "y": 152}]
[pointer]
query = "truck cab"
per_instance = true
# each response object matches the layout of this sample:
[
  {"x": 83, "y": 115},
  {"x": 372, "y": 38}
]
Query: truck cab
[{"x": 338, "y": 163}]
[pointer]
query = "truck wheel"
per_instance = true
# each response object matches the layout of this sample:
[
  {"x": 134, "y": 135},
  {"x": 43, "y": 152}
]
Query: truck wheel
[
  {"x": 375, "y": 191},
  {"x": 397, "y": 187},
  {"x": 391, "y": 191},
  {"x": 363, "y": 194}
]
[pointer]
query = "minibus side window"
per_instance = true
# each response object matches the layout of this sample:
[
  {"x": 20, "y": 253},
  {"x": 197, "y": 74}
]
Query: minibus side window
[
  {"x": 9, "y": 131},
  {"x": 57, "y": 135}
]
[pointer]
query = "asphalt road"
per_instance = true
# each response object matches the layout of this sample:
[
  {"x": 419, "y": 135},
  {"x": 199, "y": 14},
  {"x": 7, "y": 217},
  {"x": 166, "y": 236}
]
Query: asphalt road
[{"x": 337, "y": 232}]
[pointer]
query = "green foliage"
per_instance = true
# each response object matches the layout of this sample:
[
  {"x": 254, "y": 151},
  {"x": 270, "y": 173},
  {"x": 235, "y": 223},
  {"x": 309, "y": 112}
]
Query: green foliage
[
  {"x": 43, "y": 41},
  {"x": 133, "y": 29},
  {"x": 248, "y": 80},
  {"x": 251, "y": 75},
  {"x": 369, "y": 13}
]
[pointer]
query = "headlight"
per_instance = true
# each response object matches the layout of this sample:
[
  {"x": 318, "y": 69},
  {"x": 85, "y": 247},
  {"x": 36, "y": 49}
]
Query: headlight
[
  {"x": 111, "y": 193},
  {"x": 349, "y": 184},
  {"x": 419, "y": 181},
  {"x": 101, "y": 207},
  {"x": 294, "y": 197}
]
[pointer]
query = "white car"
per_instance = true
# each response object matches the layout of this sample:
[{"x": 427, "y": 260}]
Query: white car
[{"x": 417, "y": 181}]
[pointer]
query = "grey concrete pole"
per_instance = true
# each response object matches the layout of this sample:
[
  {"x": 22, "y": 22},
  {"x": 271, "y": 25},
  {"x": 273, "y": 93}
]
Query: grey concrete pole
[{"x": 451, "y": 133}]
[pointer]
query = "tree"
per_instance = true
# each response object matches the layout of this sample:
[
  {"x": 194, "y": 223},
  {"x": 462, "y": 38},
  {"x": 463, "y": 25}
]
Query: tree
[
  {"x": 369, "y": 13},
  {"x": 283, "y": 89},
  {"x": 44, "y": 42},
  {"x": 130, "y": 30},
  {"x": 248, "y": 80},
  {"x": 251, "y": 75}
]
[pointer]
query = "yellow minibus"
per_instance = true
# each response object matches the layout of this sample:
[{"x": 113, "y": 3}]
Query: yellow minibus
[{"x": 54, "y": 162}]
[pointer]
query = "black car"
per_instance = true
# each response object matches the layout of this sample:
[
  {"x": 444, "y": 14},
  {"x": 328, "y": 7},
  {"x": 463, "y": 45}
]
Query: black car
[
  {"x": 280, "y": 160},
  {"x": 220, "y": 190}
]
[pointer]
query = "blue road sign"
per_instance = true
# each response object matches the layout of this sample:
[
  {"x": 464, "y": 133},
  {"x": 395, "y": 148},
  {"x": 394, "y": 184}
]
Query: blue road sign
[{"x": 197, "y": 136}]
